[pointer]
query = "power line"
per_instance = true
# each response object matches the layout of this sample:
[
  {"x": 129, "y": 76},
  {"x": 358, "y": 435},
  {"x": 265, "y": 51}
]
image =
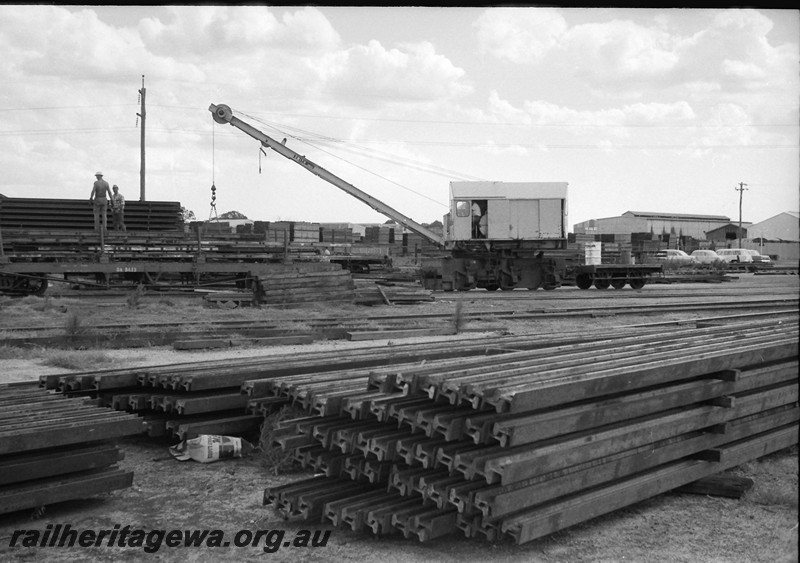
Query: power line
[
  {"x": 68, "y": 107},
  {"x": 533, "y": 124},
  {"x": 311, "y": 144},
  {"x": 361, "y": 150},
  {"x": 448, "y": 122},
  {"x": 462, "y": 144}
]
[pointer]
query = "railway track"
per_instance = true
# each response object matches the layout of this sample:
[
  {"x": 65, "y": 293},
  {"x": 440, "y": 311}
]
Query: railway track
[{"x": 125, "y": 335}]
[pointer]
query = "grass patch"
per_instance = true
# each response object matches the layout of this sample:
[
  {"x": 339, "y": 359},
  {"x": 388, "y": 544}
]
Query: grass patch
[
  {"x": 773, "y": 496},
  {"x": 775, "y": 478},
  {"x": 35, "y": 303},
  {"x": 73, "y": 326},
  {"x": 77, "y": 359},
  {"x": 271, "y": 456},
  {"x": 459, "y": 320},
  {"x": 17, "y": 353},
  {"x": 134, "y": 298}
]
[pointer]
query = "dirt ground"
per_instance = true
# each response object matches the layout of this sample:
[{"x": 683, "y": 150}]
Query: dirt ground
[{"x": 172, "y": 495}]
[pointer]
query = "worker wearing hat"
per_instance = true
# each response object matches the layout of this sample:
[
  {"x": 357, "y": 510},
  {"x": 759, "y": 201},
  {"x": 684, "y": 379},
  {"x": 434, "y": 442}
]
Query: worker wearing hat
[
  {"x": 118, "y": 209},
  {"x": 99, "y": 199}
]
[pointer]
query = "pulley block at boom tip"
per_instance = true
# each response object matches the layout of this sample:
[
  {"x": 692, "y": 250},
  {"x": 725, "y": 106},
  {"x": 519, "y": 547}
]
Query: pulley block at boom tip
[{"x": 221, "y": 113}]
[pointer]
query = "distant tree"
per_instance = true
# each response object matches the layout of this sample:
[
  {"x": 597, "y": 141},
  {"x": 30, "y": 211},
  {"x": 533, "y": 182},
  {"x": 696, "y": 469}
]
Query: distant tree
[
  {"x": 232, "y": 215},
  {"x": 187, "y": 215}
]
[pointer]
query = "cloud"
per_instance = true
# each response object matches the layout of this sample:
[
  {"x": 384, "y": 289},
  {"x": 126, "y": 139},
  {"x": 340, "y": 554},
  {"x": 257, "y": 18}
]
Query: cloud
[
  {"x": 734, "y": 49},
  {"x": 620, "y": 50},
  {"x": 628, "y": 55},
  {"x": 371, "y": 74},
  {"x": 211, "y": 30},
  {"x": 53, "y": 42},
  {"x": 519, "y": 35},
  {"x": 503, "y": 111},
  {"x": 50, "y": 42}
]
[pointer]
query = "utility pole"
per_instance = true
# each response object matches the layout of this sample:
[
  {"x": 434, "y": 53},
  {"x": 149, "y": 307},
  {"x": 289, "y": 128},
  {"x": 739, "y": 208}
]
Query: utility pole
[
  {"x": 142, "y": 114},
  {"x": 741, "y": 190}
]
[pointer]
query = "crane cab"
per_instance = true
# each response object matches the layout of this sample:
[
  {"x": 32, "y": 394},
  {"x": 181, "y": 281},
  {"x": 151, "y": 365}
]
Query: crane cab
[{"x": 507, "y": 211}]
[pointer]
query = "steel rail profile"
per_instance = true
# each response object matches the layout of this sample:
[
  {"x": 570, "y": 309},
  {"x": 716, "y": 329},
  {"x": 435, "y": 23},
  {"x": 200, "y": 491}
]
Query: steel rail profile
[
  {"x": 474, "y": 526},
  {"x": 334, "y": 511},
  {"x": 217, "y": 424},
  {"x": 385, "y": 446},
  {"x": 379, "y": 517}
]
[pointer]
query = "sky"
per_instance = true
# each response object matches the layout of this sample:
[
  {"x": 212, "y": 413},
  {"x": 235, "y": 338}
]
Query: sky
[{"x": 657, "y": 110}]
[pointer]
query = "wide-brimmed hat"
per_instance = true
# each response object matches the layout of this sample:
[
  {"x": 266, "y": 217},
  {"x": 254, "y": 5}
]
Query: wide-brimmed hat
[{"x": 98, "y": 173}]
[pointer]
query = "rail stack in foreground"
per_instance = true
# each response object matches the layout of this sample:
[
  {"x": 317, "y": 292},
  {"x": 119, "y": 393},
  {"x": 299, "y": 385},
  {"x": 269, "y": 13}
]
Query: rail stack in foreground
[
  {"x": 530, "y": 443},
  {"x": 54, "y": 448}
]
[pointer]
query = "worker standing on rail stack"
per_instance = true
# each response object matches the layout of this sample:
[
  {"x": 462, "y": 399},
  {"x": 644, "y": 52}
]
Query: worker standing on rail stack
[
  {"x": 99, "y": 198},
  {"x": 118, "y": 209}
]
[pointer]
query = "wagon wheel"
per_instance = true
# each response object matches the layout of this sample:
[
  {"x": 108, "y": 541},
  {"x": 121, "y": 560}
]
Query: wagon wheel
[
  {"x": 602, "y": 283},
  {"x": 36, "y": 285},
  {"x": 618, "y": 283},
  {"x": 7, "y": 283},
  {"x": 507, "y": 282},
  {"x": 460, "y": 282},
  {"x": 584, "y": 281},
  {"x": 636, "y": 283}
]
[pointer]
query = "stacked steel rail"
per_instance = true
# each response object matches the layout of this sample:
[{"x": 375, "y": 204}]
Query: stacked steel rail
[
  {"x": 184, "y": 400},
  {"x": 26, "y": 214},
  {"x": 530, "y": 442},
  {"x": 513, "y": 436},
  {"x": 54, "y": 448}
]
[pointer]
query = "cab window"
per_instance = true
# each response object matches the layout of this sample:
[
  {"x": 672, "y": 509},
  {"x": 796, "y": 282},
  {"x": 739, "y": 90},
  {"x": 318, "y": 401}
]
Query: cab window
[{"x": 462, "y": 209}]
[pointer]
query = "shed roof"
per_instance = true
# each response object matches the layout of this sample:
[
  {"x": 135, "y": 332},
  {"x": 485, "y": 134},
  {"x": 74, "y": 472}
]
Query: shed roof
[{"x": 677, "y": 216}]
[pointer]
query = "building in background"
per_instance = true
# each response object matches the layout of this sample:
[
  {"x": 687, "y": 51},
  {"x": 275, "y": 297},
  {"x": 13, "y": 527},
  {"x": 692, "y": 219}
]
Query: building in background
[
  {"x": 727, "y": 236},
  {"x": 784, "y": 226},
  {"x": 645, "y": 233},
  {"x": 676, "y": 224}
]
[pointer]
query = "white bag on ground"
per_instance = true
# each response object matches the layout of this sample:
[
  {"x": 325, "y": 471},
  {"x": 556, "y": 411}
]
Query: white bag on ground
[{"x": 207, "y": 448}]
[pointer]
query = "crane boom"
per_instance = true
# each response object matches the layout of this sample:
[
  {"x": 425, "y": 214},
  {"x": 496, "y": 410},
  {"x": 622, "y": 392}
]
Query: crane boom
[{"x": 223, "y": 114}]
